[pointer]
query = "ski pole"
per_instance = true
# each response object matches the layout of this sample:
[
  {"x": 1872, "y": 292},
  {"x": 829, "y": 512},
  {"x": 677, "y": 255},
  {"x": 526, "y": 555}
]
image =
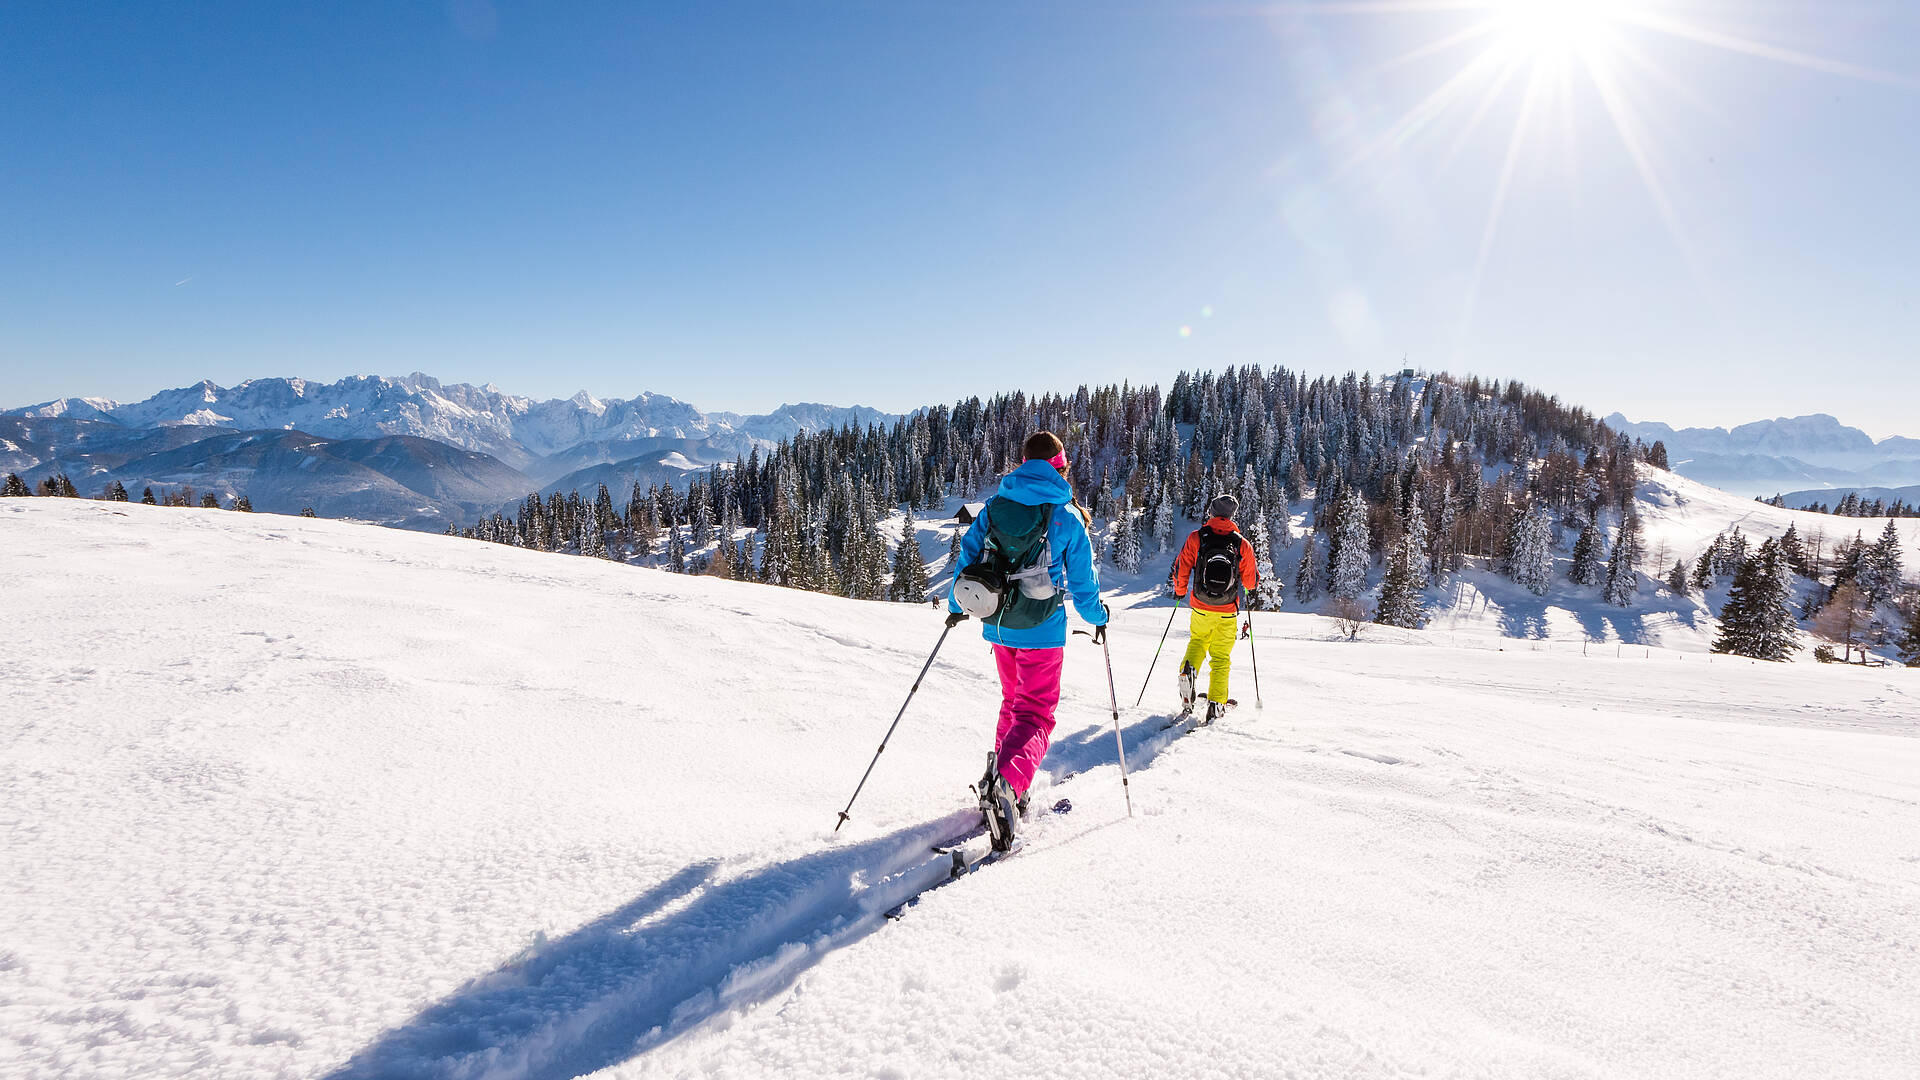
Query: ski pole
[
  {"x": 896, "y": 723},
  {"x": 1156, "y": 653},
  {"x": 1118, "y": 744},
  {"x": 1257, "y": 703}
]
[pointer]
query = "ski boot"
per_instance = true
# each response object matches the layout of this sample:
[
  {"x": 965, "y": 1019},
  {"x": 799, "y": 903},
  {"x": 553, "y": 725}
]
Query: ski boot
[
  {"x": 999, "y": 805},
  {"x": 1187, "y": 690}
]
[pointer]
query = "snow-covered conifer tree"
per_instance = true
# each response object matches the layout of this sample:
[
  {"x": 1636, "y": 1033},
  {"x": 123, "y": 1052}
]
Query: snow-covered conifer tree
[
  {"x": 1401, "y": 602},
  {"x": 1126, "y": 542},
  {"x": 1349, "y": 571},
  {"x": 1621, "y": 583},
  {"x": 592, "y": 540},
  {"x": 1306, "y": 581},
  {"x": 1880, "y": 567},
  {"x": 17, "y": 488},
  {"x": 1163, "y": 521},
  {"x": 603, "y": 509},
  {"x": 1795, "y": 551},
  {"x": 1415, "y": 530},
  {"x": 676, "y": 551},
  {"x": 1729, "y": 553},
  {"x": 1589, "y": 556},
  {"x": 1531, "y": 560},
  {"x": 909, "y": 569},
  {"x": 1266, "y": 592},
  {"x": 1757, "y": 620},
  {"x": 1677, "y": 579}
]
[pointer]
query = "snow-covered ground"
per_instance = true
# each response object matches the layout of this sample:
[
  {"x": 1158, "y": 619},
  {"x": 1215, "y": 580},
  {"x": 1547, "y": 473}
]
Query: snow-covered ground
[{"x": 299, "y": 798}]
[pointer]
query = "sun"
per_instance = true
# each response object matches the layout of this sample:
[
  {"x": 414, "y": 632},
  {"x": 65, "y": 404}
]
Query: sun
[
  {"x": 1555, "y": 29},
  {"x": 1558, "y": 57}
]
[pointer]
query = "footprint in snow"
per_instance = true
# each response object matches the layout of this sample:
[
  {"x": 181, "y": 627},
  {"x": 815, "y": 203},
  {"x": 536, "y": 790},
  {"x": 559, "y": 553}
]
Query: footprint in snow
[{"x": 1009, "y": 978}]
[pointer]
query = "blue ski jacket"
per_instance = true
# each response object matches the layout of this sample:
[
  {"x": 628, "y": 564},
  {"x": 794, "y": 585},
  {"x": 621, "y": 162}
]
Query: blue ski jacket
[{"x": 1037, "y": 483}]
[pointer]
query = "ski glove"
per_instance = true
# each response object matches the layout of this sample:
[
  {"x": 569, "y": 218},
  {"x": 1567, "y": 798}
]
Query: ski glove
[{"x": 955, "y": 618}]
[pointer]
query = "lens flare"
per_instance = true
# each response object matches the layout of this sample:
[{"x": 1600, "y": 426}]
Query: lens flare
[{"x": 1539, "y": 49}]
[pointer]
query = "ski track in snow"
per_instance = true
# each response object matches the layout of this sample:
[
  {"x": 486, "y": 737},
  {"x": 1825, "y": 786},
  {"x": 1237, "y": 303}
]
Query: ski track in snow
[{"x": 304, "y": 799}]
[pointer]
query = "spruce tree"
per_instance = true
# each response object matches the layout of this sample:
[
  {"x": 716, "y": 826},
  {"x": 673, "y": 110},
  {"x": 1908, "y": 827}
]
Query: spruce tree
[
  {"x": 210, "y": 501},
  {"x": 909, "y": 569},
  {"x": 1703, "y": 569},
  {"x": 1795, "y": 551},
  {"x": 1910, "y": 645},
  {"x": 1757, "y": 620},
  {"x": 1401, "y": 603},
  {"x": 307, "y": 512},
  {"x": 1589, "y": 556},
  {"x": 116, "y": 492},
  {"x": 603, "y": 509},
  {"x": 1349, "y": 570},
  {"x": 1306, "y": 581},
  {"x": 1622, "y": 583},
  {"x": 593, "y": 540},
  {"x": 1126, "y": 541},
  {"x": 1728, "y": 553},
  {"x": 1163, "y": 521},
  {"x": 1677, "y": 579},
  {"x": 147, "y": 497},
  {"x": 1531, "y": 560},
  {"x": 1415, "y": 530},
  {"x": 241, "y": 503},
  {"x": 1881, "y": 566},
  {"x": 676, "y": 551},
  {"x": 17, "y": 488},
  {"x": 1266, "y": 592}
]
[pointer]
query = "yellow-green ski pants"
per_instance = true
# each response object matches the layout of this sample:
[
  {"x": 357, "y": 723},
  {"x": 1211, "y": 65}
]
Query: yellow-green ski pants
[{"x": 1213, "y": 634}]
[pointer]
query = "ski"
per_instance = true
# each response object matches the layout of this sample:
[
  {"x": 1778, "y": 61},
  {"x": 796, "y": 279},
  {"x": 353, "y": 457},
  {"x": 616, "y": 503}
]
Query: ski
[{"x": 967, "y": 854}]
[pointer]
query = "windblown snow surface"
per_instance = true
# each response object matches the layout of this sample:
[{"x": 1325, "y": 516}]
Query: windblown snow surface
[{"x": 297, "y": 798}]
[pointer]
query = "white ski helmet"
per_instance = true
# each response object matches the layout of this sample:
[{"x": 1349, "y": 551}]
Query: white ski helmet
[{"x": 976, "y": 597}]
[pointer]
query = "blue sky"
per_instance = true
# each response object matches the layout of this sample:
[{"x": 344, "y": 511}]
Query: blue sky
[{"x": 898, "y": 203}]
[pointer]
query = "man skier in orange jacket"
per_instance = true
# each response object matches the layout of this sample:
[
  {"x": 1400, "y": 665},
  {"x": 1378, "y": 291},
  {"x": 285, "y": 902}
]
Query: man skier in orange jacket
[{"x": 1215, "y": 568}]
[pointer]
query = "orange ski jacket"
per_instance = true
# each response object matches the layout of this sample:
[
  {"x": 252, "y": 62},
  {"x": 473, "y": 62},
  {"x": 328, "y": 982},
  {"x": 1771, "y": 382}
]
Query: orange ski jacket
[{"x": 1190, "y": 553}]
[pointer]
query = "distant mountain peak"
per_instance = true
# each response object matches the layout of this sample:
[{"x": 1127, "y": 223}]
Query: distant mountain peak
[{"x": 1784, "y": 453}]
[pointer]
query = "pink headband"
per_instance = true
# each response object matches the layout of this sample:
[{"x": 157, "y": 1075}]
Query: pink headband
[{"x": 1059, "y": 461}]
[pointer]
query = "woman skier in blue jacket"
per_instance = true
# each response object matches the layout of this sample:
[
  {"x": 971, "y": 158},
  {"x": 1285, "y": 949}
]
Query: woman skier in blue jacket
[{"x": 1024, "y": 550}]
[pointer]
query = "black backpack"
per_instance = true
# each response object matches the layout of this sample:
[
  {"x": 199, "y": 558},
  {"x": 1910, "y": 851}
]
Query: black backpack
[{"x": 1216, "y": 573}]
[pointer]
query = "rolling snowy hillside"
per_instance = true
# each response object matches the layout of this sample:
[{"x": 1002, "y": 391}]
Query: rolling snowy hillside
[{"x": 296, "y": 798}]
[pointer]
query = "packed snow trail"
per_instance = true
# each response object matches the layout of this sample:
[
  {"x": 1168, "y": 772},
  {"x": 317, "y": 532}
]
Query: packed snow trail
[
  {"x": 706, "y": 942},
  {"x": 295, "y": 799}
]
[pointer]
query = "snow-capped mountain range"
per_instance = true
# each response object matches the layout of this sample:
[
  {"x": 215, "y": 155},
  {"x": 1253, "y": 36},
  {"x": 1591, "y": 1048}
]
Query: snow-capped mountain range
[
  {"x": 1783, "y": 454},
  {"x": 415, "y": 423}
]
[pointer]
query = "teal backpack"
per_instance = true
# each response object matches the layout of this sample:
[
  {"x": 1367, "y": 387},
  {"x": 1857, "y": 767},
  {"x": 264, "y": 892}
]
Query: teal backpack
[{"x": 1014, "y": 564}]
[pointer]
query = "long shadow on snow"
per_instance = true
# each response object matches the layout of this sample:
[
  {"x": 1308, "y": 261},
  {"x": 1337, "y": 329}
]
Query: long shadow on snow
[
  {"x": 1629, "y": 626},
  {"x": 687, "y": 950}
]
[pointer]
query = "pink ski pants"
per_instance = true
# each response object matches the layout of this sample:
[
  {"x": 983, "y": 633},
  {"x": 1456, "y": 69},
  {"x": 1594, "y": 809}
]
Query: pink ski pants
[{"x": 1029, "y": 692}]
